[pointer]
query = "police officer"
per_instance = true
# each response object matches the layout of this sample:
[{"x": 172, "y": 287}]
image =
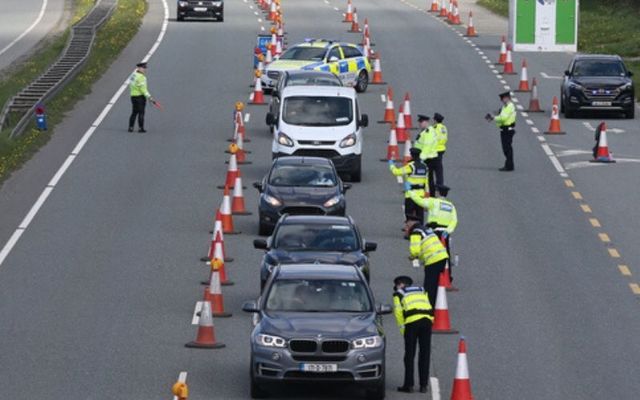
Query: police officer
[
  {"x": 506, "y": 121},
  {"x": 425, "y": 245},
  {"x": 427, "y": 142},
  {"x": 415, "y": 172},
  {"x": 414, "y": 316},
  {"x": 139, "y": 95},
  {"x": 442, "y": 137}
]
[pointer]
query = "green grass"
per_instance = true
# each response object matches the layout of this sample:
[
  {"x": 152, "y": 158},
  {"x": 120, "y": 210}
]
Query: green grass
[{"x": 111, "y": 39}]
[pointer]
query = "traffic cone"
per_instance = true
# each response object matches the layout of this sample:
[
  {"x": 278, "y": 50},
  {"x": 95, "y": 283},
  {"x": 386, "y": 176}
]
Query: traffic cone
[
  {"x": 217, "y": 236},
  {"x": 348, "y": 17},
  {"x": 461, "y": 383},
  {"x": 534, "y": 102},
  {"x": 180, "y": 390},
  {"x": 219, "y": 254},
  {"x": 238, "y": 119},
  {"x": 389, "y": 112},
  {"x": 408, "y": 123},
  {"x": 269, "y": 57},
  {"x": 401, "y": 131},
  {"x": 443, "y": 9},
  {"x": 503, "y": 52},
  {"x": 355, "y": 28},
  {"x": 455, "y": 17},
  {"x": 508, "y": 64},
  {"x": 278, "y": 51},
  {"x": 206, "y": 337},
  {"x": 471, "y": 30},
  {"x": 524, "y": 78},
  {"x": 241, "y": 154},
  {"x": 450, "y": 11},
  {"x": 393, "y": 152},
  {"x": 406, "y": 157},
  {"x": 225, "y": 213},
  {"x": 272, "y": 12},
  {"x": 232, "y": 172},
  {"x": 447, "y": 279},
  {"x": 365, "y": 31},
  {"x": 377, "y": 73},
  {"x": 213, "y": 292},
  {"x": 441, "y": 322},
  {"x": 554, "y": 125},
  {"x": 602, "y": 154},
  {"x": 257, "y": 96},
  {"x": 434, "y": 6},
  {"x": 237, "y": 202}
]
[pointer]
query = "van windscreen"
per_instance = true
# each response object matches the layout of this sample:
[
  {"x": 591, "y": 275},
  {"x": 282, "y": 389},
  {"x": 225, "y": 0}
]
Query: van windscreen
[{"x": 317, "y": 111}]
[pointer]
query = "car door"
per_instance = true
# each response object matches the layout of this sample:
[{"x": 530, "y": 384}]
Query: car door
[
  {"x": 334, "y": 58},
  {"x": 354, "y": 64}
]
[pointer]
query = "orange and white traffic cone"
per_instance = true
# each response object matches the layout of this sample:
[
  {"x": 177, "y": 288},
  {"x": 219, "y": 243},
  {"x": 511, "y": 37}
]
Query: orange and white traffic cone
[
  {"x": 441, "y": 322},
  {"x": 272, "y": 12},
  {"x": 238, "y": 119},
  {"x": 450, "y": 11},
  {"x": 524, "y": 78},
  {"x": 206, "y": 337},
  {"x": 365, "y": 31},
  {"x": 225, "y": 213},
  {"x": 278, "y": 51},
  {"x": 217, "y": 238},
  {"x": 534, "y": 102},
  {"x": 218, "y": 252},
  {"x": 257, "y": 97},
  {"x": 232, "y": 172},
  {"x": 602, "y": 153},
  {"x": 554, "y": 125},
  {"x": 406, "y": 156},
  {"x": 471, "y": 29},
  {"x": 237, "y": 202},
  {"x": 434, "y": 6},
  {"x": 508, "y": 64},
  {"x": 348, "y": 17},
  {"x": 393, "y": 151},
  {"x": 503, "y": 52},
  {"x": 213, "y": 292},
  {"x": 269, "y": 57},
  {"x": 377, "y": 73},
  {"x": 180, "y": 391},
  {"x": 443, "y": 9},
  {"x": 455, "y": 17},
  {"x": 401, "y": 131},
  {"x": 408, "y": 123},
  {"x": 461, "y": 383},
  {"x": 446, "y": 274},
  {"x": 389, "y": 111},
  {"x": 355, "y": 28},
  {"x": 238, "y": 147}
]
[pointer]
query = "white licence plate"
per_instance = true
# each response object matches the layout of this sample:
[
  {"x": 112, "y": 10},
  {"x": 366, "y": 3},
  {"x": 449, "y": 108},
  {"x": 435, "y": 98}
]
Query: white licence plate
[
  {"x": 320, "y": 368},
  {"x": 200, "y": 9},
  {"x": 601, "y": 103}
]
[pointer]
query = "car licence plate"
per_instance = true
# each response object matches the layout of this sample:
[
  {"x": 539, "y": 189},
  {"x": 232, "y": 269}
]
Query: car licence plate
[
  {"x": 319, "y": 368},
  {"x": 601, "y": 103},
  {"x": 200, "y": 9}
]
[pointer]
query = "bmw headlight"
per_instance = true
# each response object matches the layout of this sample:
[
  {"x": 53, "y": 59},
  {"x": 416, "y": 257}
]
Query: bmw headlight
[
  {"x": 575, "y": 86},
  {"x": 332, "y": 201},
  {"x": 284, "y": 140},
  {"x": 348, "y": 141},
  {"x": 270, "y": 340},
  {"x": 626, "y": 86},
  {"x": 217, "y": 3},
  {"x": 370, "y": 342},
  {"x": 183, "y": 3},
  {"x": 272, "y": 200}
]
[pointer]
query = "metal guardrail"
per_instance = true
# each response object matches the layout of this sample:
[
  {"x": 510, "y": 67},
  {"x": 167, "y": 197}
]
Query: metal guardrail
[{"x": 75, "y": 54}]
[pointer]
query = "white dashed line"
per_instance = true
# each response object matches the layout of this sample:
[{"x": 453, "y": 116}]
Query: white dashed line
[
  {"x": 541, "y": 138},
  {"x": 536, "y": 130},
  {"x": 519, "y": 107},
  {"x": 435, "y": 388},
  {"x": 515, "y": 100},
  {"x": 524, "y": 114},
  {"x": 529, "y": 122},
  {"x": 502, "y": 80}
]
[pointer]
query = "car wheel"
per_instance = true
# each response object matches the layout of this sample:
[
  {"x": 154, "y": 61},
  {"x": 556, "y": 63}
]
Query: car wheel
[
  {"x": 363, "y": 82},
  {"x": 179, "y": 18},
  {"x": 631, "y": 113},
  {"x": 356, "y": 175},
  {"x": 221, "y": 18},
  {"x": 378, "y": 391},
  {"x": 255, "y": 390}
]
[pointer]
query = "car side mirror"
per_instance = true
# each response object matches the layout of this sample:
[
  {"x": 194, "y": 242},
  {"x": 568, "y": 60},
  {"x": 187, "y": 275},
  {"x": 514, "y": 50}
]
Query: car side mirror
[
  {"x": 346, "y": 186},
  {"x": 630, "y": 74},
  {"x": 383, "y": 309},
  {"x": 364, "y": 120},
  {"x": 270, "y": 119},
  {"x": 258, "y": 185},
  {"x": 333, "y": 59},
  {"x": 370, "y": 246},
  {"x": 567, "y": 73},
  {"x": 260, "y": 244},
  {"x": 250, "y": 307}
]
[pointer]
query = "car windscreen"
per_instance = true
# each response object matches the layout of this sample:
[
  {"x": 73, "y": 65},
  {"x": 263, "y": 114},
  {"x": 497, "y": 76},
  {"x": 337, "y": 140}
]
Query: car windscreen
[
  {"x": 313, "y": 81},
  {"x": 598, "y": 68},
  {"x": 303, "y": 175},
  {"x": 304, "y": 53},
  {"x": 317, "y": 111},
  {"x": 316, "y": 237},
  {"x": 318, "y": 295}
]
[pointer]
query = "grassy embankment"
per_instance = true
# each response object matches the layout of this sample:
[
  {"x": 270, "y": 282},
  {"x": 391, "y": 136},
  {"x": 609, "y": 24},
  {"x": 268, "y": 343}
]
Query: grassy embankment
[
  {"x": 609, "y": 27},
  {"x": 111, "y": 39}
]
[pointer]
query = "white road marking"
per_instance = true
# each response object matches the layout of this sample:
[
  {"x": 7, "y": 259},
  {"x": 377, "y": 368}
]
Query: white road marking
[
  {"x": 383, "y": 98},
  {"x": 336, "y": 8},
  {"x": 246, "y": 117},
  {"x": 182, "y": 378},
  {"x": 262, "y": 28},
  {"x": 435, "y": 388},
  {"x": 542, "y": 74},
  {"x": 535, "y": 130},
  {"x": 515, "y": 100},
  {"x": 13, "y": 240},
  {"x": 519, "y": 107},
  {"x": 399, "y": 180},
  {"x": 250, "y": 7},
  {"x": 29, "y": 29},
  {"x": 495, "y": 71},
  {"x": 260, "y": 20},
  {"x": 572, "y": 152},
  {"x": 547, "y": 149},
  {"x": 196, "y": 319},
  {"x": 502, "y": 81},
  {"x": 524, "y": 114},
  {"x": 255, "y": 13},
  {"x": 541, "y": 138},
  {"x": 507, "y": 87},
  {"x": 529, "y": 122},
  {"x": 481, "y": 52},
  {"x": 609, "y": 130},
  {"x": 487, "y": 61}
]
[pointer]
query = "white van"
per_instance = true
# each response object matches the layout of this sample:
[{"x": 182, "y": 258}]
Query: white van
[{"x": 320, "y": 121}]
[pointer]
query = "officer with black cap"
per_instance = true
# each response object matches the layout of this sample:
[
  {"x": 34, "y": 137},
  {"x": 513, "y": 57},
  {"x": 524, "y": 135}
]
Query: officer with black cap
[
  {"x": 506, "y": 121},
  {"x": 416, "y": 176},
  {"x": 414, "y": 316},
  {"x": 139, "y": 95}
]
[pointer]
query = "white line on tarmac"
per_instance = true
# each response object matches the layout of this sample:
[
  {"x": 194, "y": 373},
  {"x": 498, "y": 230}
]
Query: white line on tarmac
[
  {"x": 507, "y": 87},
  {"x": 541, "y": 138},
  {"x": 13, "y": 240},
  {"x": 260, "y": 20},
  {"x": 535, "y": 130},
  {"x": 487, "y": 61},
  {"x": 29, "y": 29},
  {"x": 196, "y": 319},
  {"x": 250, "y": 7},
  {"x": 383, "y": 98},
  {"x": 262, "y": 28},
  {"x": 182, "y": 378},
  {"x": 255, "y": 13},
  {"x": 502, "y": 81},
  {"x": 542, "y": 74},
  {"x": 524, "y": 114},
  {"x": 529, "y": 122},
  {"x": 519, "y": 107},
  {"x": 435, "y": 388},
  {"x": 246, "y": 117},
  {"x": 336, "y": 8},
  {"x": 514, "y": 100}
]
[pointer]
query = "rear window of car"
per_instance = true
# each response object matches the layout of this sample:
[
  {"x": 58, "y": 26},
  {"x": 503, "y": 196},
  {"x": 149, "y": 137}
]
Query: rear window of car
[
  {"x": 316, "y": 237},
  {"x": 303, "y": 175},
  {"x": 304, "y": 53},
  {"x": 598, "y": 68},
  {"x": 317, "y": 111}
]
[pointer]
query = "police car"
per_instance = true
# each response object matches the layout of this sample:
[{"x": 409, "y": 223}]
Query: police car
[{"x": 345, "y": 60}]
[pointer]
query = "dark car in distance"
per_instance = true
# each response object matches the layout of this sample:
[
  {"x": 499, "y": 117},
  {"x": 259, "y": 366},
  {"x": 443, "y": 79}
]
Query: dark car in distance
[
  {"x": 200, "y": 9},
  {"x": 300, "y": 186},
  {"x": 314, "y": 239},
  {"x": 597, "y": 83},
  {"x": 319, "y": 325}
]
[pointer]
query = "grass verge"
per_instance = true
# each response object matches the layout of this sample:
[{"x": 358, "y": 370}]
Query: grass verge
[{"x": 110, "y": 40}]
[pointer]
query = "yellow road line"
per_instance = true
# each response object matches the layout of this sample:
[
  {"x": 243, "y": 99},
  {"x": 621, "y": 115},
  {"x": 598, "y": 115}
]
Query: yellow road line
[
  {"x": 585, "y": 208},
  {"x": 604, "y": 237},
  {"x": 624, "y": 270},
  {"x": 594, "y": 222},
  {"x": 635, "y": 288},
  {"x": 576, "y": 195},
  {"x": 569, "y": 183},
  {"x": 614, "y": 253}
]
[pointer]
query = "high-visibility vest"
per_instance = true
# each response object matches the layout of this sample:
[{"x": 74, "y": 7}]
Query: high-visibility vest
[
  {"x": 138, "y": 85},
  {"x": 411, "y": 304},
  {"x": 427, "y": 246},
  {"x": 442, "y": 137},
  {"x": 441, "y": 212},
  {"x": 427, "y": 143},
  {"x": 507, "y": 116},
  {"x": 416, "y": 174}
]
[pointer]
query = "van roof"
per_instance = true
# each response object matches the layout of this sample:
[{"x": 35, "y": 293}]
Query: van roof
[{"x": 334, "y": 91}]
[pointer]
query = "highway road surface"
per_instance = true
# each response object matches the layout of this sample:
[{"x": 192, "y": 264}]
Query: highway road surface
[{"x": 97, "y": 295}]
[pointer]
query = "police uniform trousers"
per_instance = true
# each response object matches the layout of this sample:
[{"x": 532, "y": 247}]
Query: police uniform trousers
[
  {"x": 431, "y": 275},
  {"x": 417, "y": 334},
  {"x": 432, "y": 165},
  {"x": 438, "y": 170},
  {"x": 138, "y": 104},
  {"x": 412, "y": 211},
  {"x": 506, "y": 137}
]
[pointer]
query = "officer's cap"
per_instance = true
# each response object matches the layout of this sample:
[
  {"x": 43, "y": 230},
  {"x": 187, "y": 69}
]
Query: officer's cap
[
  {"x": 422, "y": 117},
  {"x": 438, "y": 117},
  {"x": 141, "y": 65},
  {"x": 402, "y": 279},
  {"x": 505, "y": 94},
  {"x": 415, "y": 152},
  {"x": 443, "y": 189}
]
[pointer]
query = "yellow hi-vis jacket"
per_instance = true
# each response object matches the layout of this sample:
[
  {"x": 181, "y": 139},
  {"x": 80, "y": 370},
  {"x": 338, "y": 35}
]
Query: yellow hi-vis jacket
[
  {"x": 138, "y": 85},
  {"x": 442, "y": 137},
  {"x": 427, "y": 142},
  {"x": 507, "y": 116},
  {"x": 427, "y": 246},
  {"x": 411, "y": 304},
  {"x": 441, "y": 212},
  {"x": 416, "y": 174}
]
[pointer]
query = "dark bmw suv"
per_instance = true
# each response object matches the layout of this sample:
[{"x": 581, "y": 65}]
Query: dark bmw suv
[
  {"x": 200, "y": 9},
  {"x": 597, "y": 82},
  {"x": 317, "y": 324},
  {"x": 314, "y": 239}
]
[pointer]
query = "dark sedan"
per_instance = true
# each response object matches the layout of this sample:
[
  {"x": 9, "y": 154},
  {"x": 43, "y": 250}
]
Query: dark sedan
[
  {"x": 597, "y": 83},
  {"x": 314, "y": 239},
  {"x": 200, "y": 9},
  {"x": 299, "y": 185}
]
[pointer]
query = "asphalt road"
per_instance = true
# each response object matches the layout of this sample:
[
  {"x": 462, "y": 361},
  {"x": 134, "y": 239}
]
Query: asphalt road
[
  {"x": 23, "y": 23},
  {"x": 97, "y": 296}
]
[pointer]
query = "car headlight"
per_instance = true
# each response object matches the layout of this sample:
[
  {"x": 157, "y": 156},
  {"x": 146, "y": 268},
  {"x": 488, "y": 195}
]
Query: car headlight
[
  {"x": 272, "y": 200},
  {"x": 348, "y": 141},
  {"x": 284, "y": 140},
  {"x": 575, "y": 86},
  {"x": 626, "y": 86},
  {"x": 183, "y": 3},
  {"x": 332, "y": 201},
  {"x": 217, "y": 3},
  {"x": 270, "y": 340},
  {"x": 370, "y": 342}
]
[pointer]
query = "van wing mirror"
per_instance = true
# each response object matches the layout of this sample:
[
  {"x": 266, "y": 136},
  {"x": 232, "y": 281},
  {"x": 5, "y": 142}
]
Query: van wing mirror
[
  {"x": 370, "y": 246},
  {"x": 567, "y": 73},
  {"x": 382, "y": 309},
  {"x": 258, "y": 185},
  {"x": 260, "y": 244},
  {"x": 364, "y": 120},
  {"x": 629, "y": 74},
  {"x": 250, "y": 307}
]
